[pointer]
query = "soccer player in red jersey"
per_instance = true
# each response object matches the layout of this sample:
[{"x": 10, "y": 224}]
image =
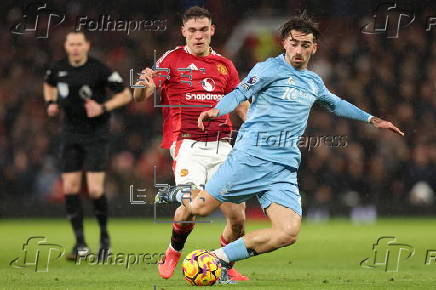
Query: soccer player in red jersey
[{"x": 193, "y": 78}]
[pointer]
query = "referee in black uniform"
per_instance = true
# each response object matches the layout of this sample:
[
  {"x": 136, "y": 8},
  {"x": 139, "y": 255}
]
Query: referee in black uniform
[{"x": 78, "y": 84}]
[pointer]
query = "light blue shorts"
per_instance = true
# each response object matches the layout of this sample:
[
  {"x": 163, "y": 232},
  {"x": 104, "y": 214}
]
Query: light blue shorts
[{"x": 242, "y": 175}]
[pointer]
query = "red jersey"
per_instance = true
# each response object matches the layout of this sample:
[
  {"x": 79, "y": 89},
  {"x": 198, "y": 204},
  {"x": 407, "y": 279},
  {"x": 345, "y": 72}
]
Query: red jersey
[{"x": 190, "y": 85}]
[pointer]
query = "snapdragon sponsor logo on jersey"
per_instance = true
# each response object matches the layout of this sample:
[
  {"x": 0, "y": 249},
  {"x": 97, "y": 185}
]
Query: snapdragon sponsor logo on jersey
[
  {"x": 202, "y": 97},
  {"x": 208, "y": 84}
]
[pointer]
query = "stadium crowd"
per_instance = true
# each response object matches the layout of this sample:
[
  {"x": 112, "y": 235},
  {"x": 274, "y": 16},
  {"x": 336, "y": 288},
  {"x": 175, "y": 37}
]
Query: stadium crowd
[{"x": 391, "y": 78}]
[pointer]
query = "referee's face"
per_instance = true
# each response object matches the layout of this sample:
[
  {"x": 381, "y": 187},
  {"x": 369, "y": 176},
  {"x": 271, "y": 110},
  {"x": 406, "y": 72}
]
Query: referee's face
[{"x": 77, "y": 47}]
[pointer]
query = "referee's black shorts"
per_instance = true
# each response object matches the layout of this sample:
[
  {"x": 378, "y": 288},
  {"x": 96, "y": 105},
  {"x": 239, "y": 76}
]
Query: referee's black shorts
[{"x": 89, "y": 153}]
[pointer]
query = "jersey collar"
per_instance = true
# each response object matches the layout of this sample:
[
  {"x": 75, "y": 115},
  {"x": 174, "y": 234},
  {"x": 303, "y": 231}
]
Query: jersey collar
[
  {"x": 282, "y": 58},
  {"x": 187, "y": 50}
]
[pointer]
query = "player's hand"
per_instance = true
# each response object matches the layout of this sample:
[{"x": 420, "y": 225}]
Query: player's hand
[
  {"x": 93, "y": 109},
  {"x": 52, "y": 110},
  {"x": 146, "y": 79},
  {"x": 206, "y": 115},
  {"x": 382, "y": 124}
]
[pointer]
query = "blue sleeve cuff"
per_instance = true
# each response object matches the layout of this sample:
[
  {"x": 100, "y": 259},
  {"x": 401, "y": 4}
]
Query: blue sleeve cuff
[
  {"x": 229, "y": 102},
  {"x": 348, "y": 110}
]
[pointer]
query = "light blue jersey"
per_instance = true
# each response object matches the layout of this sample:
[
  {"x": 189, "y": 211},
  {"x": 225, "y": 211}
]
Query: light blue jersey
[
  {"x": 265, "y": 158},
  {"x": 281, "y": 99}
]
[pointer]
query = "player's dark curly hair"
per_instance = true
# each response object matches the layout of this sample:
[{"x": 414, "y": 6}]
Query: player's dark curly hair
[
  {"x": 302, "y": 23},
  {"x": 195, "y": 12}
]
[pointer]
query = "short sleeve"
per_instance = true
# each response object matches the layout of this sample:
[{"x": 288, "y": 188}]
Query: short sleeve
[
  {"x": 113, "y": 80},
  {"x": 163, "y": 68},
  {"x": 50, "y": 76}
]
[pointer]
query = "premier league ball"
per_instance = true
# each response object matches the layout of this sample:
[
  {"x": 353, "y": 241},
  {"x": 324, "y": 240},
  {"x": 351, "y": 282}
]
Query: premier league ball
[{"x": 201, "y": 268}]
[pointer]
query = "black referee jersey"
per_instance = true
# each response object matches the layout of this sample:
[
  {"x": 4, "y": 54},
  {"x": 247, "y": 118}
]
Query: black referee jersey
[{"x": 77, "y": 83}]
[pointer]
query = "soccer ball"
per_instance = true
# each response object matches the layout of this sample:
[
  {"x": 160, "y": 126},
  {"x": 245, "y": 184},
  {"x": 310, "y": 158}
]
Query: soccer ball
[{"x": 201, "y": 268}]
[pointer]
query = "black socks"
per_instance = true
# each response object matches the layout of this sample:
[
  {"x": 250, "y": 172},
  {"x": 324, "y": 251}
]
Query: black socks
[
  {"x": 101, "y": 213},
  {"x": 74, "y": 211},
  {"x": 180, "y": 234}
]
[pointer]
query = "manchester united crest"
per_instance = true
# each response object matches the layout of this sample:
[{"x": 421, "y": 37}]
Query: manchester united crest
[
  {"x": 183, "y": 172},
  {"x": 222, "y": 69}
]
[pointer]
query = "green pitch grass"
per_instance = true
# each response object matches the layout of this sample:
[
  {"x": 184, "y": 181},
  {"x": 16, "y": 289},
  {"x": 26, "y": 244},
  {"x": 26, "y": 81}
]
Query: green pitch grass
[{"x": 327, "y": 256}]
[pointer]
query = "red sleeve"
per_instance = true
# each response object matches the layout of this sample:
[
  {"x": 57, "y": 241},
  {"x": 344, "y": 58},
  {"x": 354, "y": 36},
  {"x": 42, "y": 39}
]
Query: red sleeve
[
  {"x": 163, "y": 65},
  {"x": 233, "y": 78}
]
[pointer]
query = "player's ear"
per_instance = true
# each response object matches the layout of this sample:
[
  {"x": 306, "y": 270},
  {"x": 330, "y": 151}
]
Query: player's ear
[
  {"x": 212, "y": 30},
  {"x": 183, "y": 30},
  {"x": 284, "y": 43},
  {"x": 315, "y": 48},
  {"x": 88, "y": 45}
]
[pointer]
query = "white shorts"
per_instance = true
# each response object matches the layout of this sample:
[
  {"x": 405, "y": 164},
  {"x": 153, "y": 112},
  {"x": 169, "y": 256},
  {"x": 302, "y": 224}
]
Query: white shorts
[{"x": 196, "y": 161}]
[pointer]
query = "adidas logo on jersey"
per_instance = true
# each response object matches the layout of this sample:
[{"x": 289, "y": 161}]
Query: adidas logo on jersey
[{"x": 192, "y": 67}]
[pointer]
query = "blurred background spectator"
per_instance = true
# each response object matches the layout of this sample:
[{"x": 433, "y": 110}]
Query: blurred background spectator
[{"x": 394, "y": 78}]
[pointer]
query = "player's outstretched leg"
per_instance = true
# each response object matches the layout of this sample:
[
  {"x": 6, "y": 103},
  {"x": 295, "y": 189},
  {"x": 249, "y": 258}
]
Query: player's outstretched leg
[
  {"x": 74, "y": 211},
  {"x": 283, "y": 232},
  {"x": 234, "y": 229},
  {"x": 180, "y": 233},
  {"x": 96, "y": 191}
]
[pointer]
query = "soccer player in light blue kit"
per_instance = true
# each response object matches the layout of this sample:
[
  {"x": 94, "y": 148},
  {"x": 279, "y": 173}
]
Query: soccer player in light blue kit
[{"x": 266, "y": 157}]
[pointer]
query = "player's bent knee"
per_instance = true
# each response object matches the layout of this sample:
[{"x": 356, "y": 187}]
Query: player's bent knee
[
  {"x": 183, "y": 214},
  {"x": 199, "y": 209}
]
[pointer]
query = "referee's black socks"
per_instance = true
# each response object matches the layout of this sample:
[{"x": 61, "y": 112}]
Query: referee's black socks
[
  {"x": 101, "y": 213},
  {"x": 74, "y": 211}
]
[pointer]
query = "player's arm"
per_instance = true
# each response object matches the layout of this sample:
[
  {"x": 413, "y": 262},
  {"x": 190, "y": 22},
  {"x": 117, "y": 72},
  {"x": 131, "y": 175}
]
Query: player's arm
[
  {"x": 51, "y": 99},
  {"x": 241, "y": 110},
  {"x": 50, "y": 92},
  {"x": 118, "y": 100},
  {"x": 342, "y": 108},
  {"x": 233, "y": 81},
  {"x": 121, "y": 96},
  {"x": 256, "y": 80},
  {"x": 225, "y": 106},
  {"x": 94, "y": 109},
  {"x": 147, "y": 83}
]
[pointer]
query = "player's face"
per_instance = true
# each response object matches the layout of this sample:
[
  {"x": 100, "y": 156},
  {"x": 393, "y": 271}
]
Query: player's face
[
  {"x": 77, "y": 47},
  {"x": 299, "y": 48},
  {"x": 198, "y": 33}
]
